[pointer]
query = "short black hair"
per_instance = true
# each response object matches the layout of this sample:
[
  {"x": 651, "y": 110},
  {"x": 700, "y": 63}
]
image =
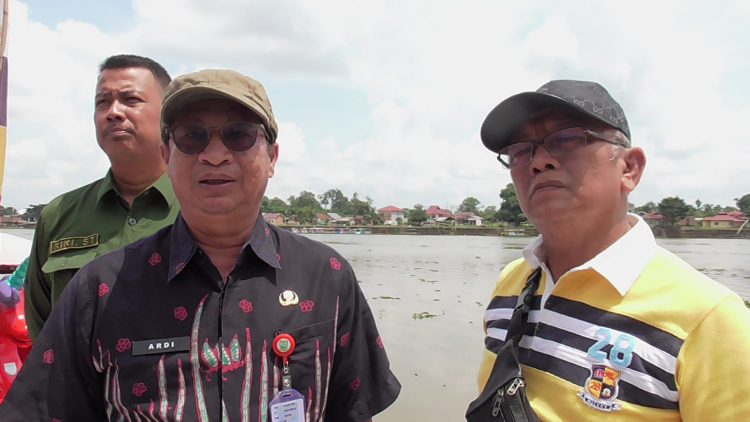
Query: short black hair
[{"x": 122, "y": 61}]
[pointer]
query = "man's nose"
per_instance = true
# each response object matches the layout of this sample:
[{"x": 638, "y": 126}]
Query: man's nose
[
  {"x": 542, "y": 159},
  {"x": 116, "y": 111},
  {"x": 216, "y": 152}
]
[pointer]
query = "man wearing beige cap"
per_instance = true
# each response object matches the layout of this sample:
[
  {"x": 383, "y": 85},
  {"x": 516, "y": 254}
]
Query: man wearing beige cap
[
  {"x": 609, "y": 325},
  {"x": 220, "y": 316}
]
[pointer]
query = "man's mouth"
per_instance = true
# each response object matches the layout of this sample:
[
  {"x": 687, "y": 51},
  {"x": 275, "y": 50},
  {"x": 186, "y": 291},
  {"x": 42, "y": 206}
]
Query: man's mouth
[
  {"x": 115, "y": 131},
  {"x": 547, "y": 186},
  {"x": 214, "y": 181}
]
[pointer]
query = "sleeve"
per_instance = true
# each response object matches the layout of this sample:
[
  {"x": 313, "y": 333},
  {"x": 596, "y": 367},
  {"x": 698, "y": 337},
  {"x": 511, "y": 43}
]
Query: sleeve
[
  {"x": 362, "y": 383},
  {"x": 713, "y": 366},
  {"x": 37, "y": 287},
  {"x": 58, "y": 380}
]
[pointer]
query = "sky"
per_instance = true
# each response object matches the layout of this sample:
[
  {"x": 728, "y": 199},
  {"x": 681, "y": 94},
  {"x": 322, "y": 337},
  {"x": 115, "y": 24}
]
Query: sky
[{"x": 386, "y": 98}]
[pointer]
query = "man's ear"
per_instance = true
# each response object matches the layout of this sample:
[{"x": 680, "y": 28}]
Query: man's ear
[
  {"x": 165, "y": 152},
  {"x": 273, "y": 155},
  {"x": 634, "y": 163}
]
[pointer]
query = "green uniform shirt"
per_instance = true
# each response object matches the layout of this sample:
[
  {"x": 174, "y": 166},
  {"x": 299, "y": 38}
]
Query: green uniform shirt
[{"x": 85, "y": 223}]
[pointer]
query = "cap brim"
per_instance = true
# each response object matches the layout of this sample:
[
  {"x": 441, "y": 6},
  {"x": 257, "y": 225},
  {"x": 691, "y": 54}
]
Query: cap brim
[
  {"x": 507, "y": 117},
  {"x": 178, "y": 101}
]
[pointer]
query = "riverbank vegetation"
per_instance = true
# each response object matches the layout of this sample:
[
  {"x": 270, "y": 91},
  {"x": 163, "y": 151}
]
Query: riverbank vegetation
[
  {"x": 671, "y": 212},
  {"x": 671, "y": 217}
]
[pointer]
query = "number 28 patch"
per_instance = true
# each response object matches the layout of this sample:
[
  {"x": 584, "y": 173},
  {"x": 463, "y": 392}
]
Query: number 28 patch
[{"x": 601, "y": 387}]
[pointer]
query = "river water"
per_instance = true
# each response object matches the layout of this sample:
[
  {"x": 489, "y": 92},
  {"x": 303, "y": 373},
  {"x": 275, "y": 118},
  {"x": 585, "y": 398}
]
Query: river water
[{"x": 428, "y": 295}]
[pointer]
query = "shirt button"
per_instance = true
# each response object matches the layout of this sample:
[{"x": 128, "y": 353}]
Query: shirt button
[{"x": 132, "y": 221}]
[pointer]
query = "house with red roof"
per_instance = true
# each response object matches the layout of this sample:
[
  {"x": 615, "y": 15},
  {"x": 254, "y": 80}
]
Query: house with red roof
[
  {"x": 653, "y": 219},
  {"x": 274, "y": 218},
  {"x": 435, "y": 211},
  {"x": 725, "y": 220},
  {"x": 391, "y": 215}
]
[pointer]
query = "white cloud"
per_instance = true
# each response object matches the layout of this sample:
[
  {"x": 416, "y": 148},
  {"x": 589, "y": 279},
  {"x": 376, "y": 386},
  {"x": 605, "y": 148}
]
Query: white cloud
[{"x": 431, "y": 71}]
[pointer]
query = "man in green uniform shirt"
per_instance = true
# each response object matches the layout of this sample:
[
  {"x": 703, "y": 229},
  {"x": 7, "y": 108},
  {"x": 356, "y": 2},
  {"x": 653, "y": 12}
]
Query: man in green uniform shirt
[{"x": 133, "y": 200}]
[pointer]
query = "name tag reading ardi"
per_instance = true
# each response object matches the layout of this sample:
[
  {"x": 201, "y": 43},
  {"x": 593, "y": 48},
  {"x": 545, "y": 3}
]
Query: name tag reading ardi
[{"x": 161, "y": 345}]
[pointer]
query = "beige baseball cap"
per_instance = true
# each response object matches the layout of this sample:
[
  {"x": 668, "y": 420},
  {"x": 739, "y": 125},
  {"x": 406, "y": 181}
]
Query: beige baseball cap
[{"x": 218, "y": 83}]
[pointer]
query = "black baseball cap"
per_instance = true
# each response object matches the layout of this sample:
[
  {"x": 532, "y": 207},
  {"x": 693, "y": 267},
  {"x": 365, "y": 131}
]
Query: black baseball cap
[{"x": 589, "y": 98}]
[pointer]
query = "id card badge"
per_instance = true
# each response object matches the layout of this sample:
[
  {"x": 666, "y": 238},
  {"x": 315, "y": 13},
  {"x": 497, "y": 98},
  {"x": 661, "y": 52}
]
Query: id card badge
[{"x": 288, "y": 406}]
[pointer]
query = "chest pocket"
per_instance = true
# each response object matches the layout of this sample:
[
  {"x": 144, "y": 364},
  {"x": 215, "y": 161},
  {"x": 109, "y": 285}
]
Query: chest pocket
[
  {"x": 73, "y": 260},
  {"x": 60, "y": 268},
  {"x": 309, "y": 363}
]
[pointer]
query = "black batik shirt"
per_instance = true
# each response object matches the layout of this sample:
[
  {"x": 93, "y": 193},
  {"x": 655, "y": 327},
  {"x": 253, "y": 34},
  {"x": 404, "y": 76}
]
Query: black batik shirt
[{"x": 151, "y": 332}]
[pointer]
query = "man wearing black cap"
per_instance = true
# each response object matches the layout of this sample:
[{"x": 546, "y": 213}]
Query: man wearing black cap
[
  {"x": 618, "y": 327},
  {"x": 220, "y": 316}
]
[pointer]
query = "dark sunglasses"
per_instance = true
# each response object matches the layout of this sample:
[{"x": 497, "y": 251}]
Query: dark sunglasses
[{"x": 193, "y": 138}]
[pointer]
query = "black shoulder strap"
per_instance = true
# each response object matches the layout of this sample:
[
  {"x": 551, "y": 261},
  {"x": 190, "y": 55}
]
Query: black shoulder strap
[
  {"x": 507, "y": 365},
  {"x": 521, "y": 311}
]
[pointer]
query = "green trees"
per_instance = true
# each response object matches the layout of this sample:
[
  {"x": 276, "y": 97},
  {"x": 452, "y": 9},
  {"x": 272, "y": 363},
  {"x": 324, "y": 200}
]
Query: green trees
[
  {"x": 743, "y": 203},
  {"x": 469, "y": 204},
  {"x": 417, "y": 215},
  {"x": 364, "y": 208},
  {"x": 510, "y": 209},
  {"x": 276, "y": 205},
  {"x": 673, "y": 209},
  {"x": 33, "y": 212},
  {"x": 8, "y": 210},
  {"x": 490, "y": 214},
  {"x": 647, "y": 208},
  {"x": 304, "y": 206},
  {"x": 334, "y": 200}
]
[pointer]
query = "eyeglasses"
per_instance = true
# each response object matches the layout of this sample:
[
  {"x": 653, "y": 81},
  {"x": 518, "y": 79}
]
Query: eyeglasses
[
  {"x": 560, "y": 144},
  {"x": 193, "y": 138}
]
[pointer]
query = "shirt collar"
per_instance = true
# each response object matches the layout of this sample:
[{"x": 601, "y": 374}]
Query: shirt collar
[
  {"x": 182, "y": 246},
  {"x": 263, "y": 242},
  {"x": 620, "y": 264},
  {"x": 107, "y": 185},
  {"x": 162, "y": 185}
]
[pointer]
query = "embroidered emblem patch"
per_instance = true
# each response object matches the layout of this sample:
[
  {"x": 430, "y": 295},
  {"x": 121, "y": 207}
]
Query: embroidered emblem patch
[
  {"x": 601, "y": 388},
  {"x": 10, "y": 368}
]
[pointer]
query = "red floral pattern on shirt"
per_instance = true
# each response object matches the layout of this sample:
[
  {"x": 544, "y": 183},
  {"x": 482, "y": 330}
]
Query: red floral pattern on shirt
[
  {"x": 246, "y": 306},
  {"x": 335, "y": 264},
  {"x": 344, "y": 340},
  {"x": 48, "y": 357},
  {"x": 307, "y": 306},
  {"x": 180, "y": 313},
  {"x": 354, "y": 385},
  {"x": 380, "y": 342},
  {"x": 139, "y": 388},
  {"x": 155, "y": 259},
  {"x": 103, "y": 289},
  {"x": 123, "y": 344}
]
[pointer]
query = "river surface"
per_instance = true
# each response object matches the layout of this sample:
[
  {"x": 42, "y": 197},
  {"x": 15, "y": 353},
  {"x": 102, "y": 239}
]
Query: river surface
[{"x": 428, "y": 295}]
